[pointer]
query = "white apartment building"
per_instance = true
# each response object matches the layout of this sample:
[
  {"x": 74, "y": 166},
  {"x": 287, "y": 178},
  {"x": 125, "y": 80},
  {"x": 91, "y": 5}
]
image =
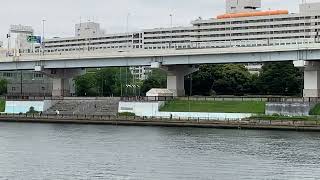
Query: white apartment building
[{"x": 244, "y": 24}]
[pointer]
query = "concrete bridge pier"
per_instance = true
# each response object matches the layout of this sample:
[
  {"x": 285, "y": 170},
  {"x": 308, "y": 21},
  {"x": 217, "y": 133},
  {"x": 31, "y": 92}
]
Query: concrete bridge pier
[
  {"x": 311, "y": 79},
  {"x": 62, "y": 80},
  {"x": 175, "y": 77}
]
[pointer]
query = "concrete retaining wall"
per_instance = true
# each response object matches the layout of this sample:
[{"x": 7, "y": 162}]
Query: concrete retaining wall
[
  {"x": 151, "y": 109},
  {"x": 23, "y": 106},
  {"x": 289, "y": 108}
]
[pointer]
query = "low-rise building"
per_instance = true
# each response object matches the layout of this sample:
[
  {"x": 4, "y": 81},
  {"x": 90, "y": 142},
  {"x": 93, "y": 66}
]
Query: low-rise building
[{"x": 27, "y": 83}]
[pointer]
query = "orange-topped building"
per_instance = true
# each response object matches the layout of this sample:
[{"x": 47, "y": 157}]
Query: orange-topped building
[
  {"x": 247, "y": 8},
  {"x": 250, "y": 14}
]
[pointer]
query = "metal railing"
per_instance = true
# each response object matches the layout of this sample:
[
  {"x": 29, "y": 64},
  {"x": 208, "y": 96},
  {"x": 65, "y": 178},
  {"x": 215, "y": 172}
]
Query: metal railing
[
  {"x": 146, "y": 98},
  {"x": 169, "y": 98},
  {"x": 294, "y": 99},
  {"x": 297, "y": 43},
  {"x": 292, "y": 124}
]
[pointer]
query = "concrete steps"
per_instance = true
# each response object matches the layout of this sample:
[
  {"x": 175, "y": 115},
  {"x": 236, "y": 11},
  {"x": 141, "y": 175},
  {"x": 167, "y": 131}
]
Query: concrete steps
[{"x": 85, "y": 107}]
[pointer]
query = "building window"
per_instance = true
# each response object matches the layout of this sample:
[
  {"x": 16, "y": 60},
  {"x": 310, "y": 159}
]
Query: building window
[
  {"x": 8, "y": 74},
  {"x": 37, "y": 75},
  {"x": 13, "y": 88}
]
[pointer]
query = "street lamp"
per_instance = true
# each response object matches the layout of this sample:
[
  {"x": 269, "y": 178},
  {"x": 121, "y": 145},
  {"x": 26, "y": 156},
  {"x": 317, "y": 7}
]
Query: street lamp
[
  {"x": 9, "y": 40},
  {"x": 21, "y": 90},
  {"x": 121, "y": 92},
  {"x": 43, "y": 34},
  {"x": 127, "y": 30}
]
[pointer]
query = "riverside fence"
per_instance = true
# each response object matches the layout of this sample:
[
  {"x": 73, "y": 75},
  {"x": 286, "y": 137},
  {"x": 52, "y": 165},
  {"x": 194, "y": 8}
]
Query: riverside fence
[
  {"x": 169, "y": 98},
  {"x": 296, "y": 125}
]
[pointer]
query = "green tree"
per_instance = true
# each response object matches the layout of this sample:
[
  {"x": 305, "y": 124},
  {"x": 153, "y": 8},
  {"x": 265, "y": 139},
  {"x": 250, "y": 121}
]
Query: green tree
[
  {"x": 3, "y": 86},
  {"x": 234, "y": 79},
  {"x": 230, "y": 79},
  {"x": 280, "y": 78},
  {"x": 32, "y": 110},
  {"x": 157, "y": 78},
  {"x": 86, "y": 85},
  {"x": 104, "y": 82},
  {"x": 123, "y": 77}
]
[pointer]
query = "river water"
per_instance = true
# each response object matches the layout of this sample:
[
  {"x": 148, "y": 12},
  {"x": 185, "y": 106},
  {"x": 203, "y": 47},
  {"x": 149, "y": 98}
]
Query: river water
[{"x": 57, "y": 151}]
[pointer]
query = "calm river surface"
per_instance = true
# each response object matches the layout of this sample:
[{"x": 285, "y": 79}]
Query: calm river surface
[{"x": 53, "y": 151}]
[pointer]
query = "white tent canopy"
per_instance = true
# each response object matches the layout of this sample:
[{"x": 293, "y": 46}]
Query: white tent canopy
[{"x": 159, "y": 93}]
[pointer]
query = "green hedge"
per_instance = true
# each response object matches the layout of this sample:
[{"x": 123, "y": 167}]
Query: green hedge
[
  {"x": 126, "y": 114},
  {"x": 315, "y": 110}
]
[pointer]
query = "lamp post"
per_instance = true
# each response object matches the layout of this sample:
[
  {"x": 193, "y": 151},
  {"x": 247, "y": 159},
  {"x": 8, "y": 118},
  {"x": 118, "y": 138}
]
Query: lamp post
[
  {"x": 121, "y": 93},
  {"x": 190, "y": 95},
  {"x": 127, "y": 30},
  {"x": 9, "y": 42},
  {"x": 43, "y": 34},
  {"x": 21, "y": 90}
]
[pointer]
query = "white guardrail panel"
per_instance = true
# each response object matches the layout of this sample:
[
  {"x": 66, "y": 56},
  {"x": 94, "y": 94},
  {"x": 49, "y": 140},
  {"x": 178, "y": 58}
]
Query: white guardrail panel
[{"x": 123, "y": 53}]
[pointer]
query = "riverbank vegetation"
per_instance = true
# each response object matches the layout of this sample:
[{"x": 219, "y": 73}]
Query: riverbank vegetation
[
  {"x": 315, "y": 110},
  {"x": 2, "y": 105},
  {"x": 285, "y": 118},
  {"x": 276, "y": 78},
  {"x": 215, "y": 106}
]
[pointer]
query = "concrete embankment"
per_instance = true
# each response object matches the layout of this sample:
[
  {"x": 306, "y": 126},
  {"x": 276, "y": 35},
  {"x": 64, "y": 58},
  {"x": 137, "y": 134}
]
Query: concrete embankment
[{"x": 134, "y": 121}]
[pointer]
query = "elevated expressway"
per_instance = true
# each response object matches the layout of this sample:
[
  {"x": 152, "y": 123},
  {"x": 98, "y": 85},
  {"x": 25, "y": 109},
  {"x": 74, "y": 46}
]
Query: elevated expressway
[{"x": 177, "y": 62}]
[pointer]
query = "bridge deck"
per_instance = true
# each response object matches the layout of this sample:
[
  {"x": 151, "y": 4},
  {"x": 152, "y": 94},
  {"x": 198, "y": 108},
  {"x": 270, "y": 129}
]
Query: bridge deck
[{"x": 132, "y": 57}]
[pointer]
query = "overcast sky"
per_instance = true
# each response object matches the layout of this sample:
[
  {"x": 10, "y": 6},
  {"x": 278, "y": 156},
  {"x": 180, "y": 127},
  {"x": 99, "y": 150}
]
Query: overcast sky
[{"x": 61, "y": 15}]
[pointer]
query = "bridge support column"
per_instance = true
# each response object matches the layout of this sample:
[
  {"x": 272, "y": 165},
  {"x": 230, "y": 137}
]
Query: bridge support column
[
  {"x": 62, "y": 79},
  {"x": 311, "y": 77},
  {"x": 175, "y": 77}
]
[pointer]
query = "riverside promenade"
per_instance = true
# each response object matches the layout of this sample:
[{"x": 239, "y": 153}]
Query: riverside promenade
[{"x": 291, "y": 125}]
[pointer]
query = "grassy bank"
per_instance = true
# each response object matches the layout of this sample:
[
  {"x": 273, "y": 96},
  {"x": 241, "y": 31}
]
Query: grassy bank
[
  {"x": 285, "y": 118},
  {"x": 315, "y": 110},
  {"x": 215, "y": 106}
]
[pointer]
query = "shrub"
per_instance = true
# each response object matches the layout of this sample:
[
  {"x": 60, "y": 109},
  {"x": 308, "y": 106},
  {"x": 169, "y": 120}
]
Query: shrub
[
  {"x": 32, "y": 111},
  {"x": 126, "y": 114}
]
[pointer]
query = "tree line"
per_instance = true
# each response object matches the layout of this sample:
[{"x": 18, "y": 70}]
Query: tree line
[{"x": 276, "y": 78}]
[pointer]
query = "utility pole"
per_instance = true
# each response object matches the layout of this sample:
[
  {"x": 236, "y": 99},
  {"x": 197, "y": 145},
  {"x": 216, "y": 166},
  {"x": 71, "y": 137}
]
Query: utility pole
[
  {"x": 43, "y": 34},
  {"x": 21, "y": 90},
  {"x": 9, "y": 42},
  {"x": 121, "y": 82},
  {"x": 127, "y": 30}
]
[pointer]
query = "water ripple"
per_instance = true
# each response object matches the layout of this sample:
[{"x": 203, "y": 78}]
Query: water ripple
[{"x": 53, "y": 151}]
